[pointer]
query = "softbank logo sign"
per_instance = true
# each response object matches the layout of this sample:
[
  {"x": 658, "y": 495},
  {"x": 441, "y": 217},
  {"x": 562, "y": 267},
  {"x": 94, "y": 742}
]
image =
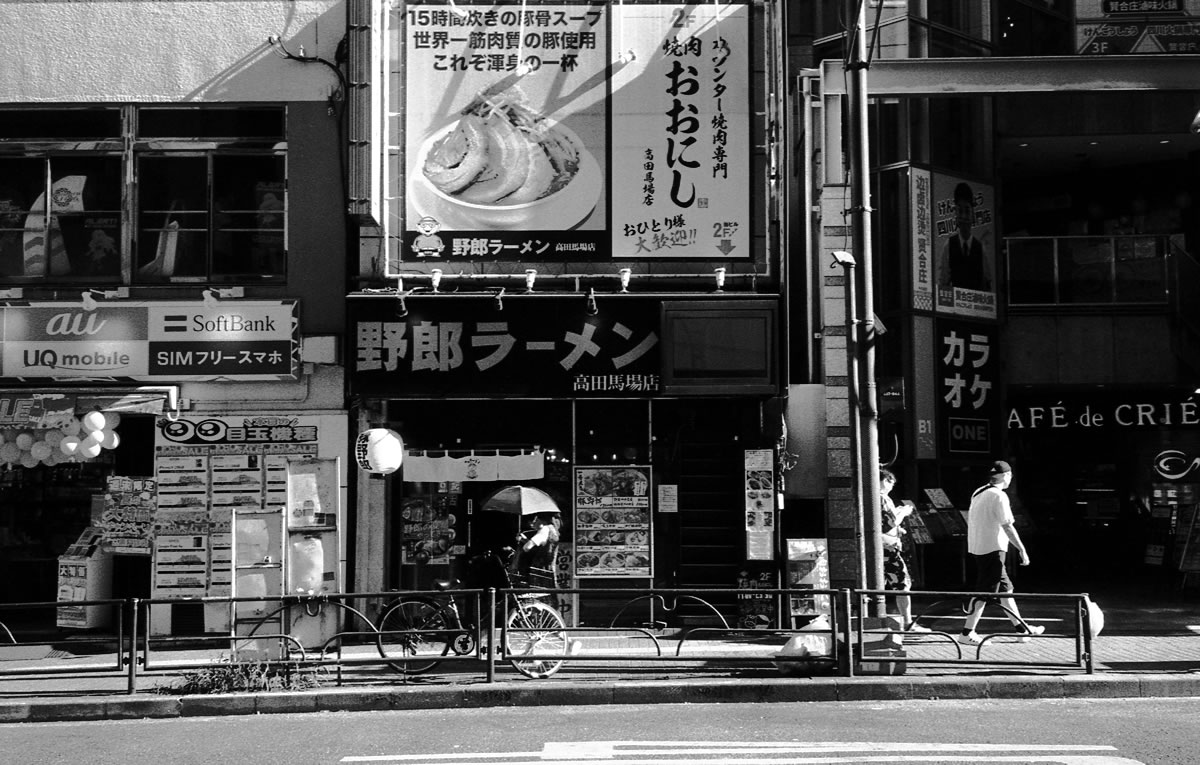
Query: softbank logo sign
[{"x": 1173, "y": 464}]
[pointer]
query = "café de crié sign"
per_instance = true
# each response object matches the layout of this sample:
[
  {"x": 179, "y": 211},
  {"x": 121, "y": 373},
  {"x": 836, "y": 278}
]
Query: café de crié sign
[{"x": 1097, "y": 413}]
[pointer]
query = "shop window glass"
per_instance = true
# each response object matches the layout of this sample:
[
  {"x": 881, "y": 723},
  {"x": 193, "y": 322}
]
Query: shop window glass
[
  {"x": 208, "y": 193},
  {"x": 211, "y": 218},
  {"x": 1030, "y": 271},
  {"x": 959, "y": 135},
  {"x": 1085, "y": 270},
  {"x": 1140, "y": 270},
  {"x": 61, "y": 218},
  {"x": 211, "y": 123},
  {"x": 1026, "y": 30},
  {"x": 61, "y": 125},
  {"x": 971, "y": 19},
  {"x": 612, "y": 432}
]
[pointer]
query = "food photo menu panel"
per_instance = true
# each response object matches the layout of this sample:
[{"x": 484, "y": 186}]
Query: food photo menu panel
[{"x": 612, "y": 522}]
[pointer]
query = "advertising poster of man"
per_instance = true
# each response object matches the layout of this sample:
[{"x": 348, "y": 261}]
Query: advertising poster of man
[
  {"x": 964, "y": 247},
  {"x": 576, "y": 132},
  {"x": 953, "y": 245}
]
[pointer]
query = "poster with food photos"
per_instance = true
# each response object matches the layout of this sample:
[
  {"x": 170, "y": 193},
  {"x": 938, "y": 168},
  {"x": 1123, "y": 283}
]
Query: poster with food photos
[
  {"x": 612, "y": 522},
  {"x": 760, "y": 504}
]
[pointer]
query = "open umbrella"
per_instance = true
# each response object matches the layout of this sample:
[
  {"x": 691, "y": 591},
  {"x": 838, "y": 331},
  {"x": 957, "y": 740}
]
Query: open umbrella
[{"x": 520, "y": 500}]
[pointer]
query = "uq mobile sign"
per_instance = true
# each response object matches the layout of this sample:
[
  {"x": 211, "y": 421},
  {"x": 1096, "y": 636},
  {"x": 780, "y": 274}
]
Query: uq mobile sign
[
  {"x": 243, "y": 340},
  {"x": 575, "y": 132}
]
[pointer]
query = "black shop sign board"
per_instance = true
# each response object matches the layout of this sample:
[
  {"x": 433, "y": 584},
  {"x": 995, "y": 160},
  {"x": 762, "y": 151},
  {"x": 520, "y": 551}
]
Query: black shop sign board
[{"x": 519, "y": 345}]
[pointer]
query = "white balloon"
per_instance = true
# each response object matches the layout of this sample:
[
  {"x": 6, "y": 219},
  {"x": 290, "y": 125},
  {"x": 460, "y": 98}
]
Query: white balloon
[
  {"x": 109, "y": 439},
  {"x": 71, "y": 427},
  {"x": 24, "y": 441},
  {"x": 69, "y": 445},
  {"x": 111, "y": 420},
  {"x": 53, "y": 437},
  {"x": 41, "y": 450},
  {"x": 9, "y": 452},
  {"x": 93, "y": 421},
  {"x": 28, "y": 460},
  {"x": 89, "y": 448}
]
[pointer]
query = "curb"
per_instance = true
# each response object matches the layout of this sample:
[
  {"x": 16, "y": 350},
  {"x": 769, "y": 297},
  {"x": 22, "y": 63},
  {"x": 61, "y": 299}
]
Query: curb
[{"x": 525, "y": 693}]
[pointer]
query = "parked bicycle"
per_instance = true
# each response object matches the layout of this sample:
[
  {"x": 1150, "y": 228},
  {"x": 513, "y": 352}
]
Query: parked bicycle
[{"x": 416, "y": 631}]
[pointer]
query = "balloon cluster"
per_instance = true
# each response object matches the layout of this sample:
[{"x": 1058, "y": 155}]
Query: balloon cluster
[{"x": 79, "y": 438}]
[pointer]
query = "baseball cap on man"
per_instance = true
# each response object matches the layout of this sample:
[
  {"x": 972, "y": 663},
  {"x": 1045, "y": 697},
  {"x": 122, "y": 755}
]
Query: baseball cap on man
[{"x": 1000, "y": 466}]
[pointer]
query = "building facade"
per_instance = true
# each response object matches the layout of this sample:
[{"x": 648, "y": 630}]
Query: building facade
[
  {"x": 1032, "y": 174},
  {"x": 173, "y": 265}
]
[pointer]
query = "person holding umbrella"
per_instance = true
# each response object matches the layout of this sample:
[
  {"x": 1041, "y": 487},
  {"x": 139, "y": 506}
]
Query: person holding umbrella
[{"x": 538, "y": 545}]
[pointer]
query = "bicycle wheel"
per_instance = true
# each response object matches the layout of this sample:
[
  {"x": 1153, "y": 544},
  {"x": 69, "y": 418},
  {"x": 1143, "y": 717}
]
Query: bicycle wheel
[
  {"x": 535, "y": 628},
  {"x": 413, "y": 636}
]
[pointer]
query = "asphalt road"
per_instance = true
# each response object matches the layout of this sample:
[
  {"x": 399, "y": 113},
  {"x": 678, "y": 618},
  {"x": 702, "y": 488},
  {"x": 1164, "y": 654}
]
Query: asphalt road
[{"x": 1075, "y": 732}]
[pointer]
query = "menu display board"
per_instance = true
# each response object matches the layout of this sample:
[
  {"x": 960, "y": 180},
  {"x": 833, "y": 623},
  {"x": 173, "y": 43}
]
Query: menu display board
[{"x": 612, "y": 522}]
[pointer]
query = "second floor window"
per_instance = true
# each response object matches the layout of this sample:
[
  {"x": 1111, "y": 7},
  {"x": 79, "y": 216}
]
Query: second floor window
[{"x": 151, "y": 195}]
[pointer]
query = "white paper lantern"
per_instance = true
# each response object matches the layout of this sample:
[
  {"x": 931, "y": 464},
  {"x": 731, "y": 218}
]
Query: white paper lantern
[
  {"x": 379, "y": 450},
  {"x": 24, "y": 441},
  {"x": 69, "y": 445},
  {"x": 41, "y": 450},
  {"x": 89, "y": 448},
  {"x": 93, "y": 422},
  {"x": 109, "y": 439},
  {"x": 9, "y": 453}
]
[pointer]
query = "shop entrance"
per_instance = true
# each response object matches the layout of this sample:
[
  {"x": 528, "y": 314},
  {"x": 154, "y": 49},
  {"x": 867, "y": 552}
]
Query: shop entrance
[{"x": 695, "y": 446}]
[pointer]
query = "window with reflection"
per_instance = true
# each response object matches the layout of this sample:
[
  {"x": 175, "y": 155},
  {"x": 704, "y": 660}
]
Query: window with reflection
[{"x": 207, "y": 187}]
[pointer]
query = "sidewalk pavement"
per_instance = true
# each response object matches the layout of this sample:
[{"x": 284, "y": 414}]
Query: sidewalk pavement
[{"x": 1146, "y": 651}]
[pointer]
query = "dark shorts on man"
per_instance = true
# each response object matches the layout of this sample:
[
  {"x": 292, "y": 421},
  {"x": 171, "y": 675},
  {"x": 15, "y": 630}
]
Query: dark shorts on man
[{"x": 991, "y": 574}]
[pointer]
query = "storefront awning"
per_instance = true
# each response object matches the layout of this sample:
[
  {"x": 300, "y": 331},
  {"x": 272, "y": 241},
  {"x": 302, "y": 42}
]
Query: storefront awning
[{"x": 23, "y": 407}]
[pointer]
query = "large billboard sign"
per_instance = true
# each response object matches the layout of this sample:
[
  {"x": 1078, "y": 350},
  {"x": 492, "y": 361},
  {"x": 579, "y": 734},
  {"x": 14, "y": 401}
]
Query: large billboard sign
[{"x": 576, "y": 132}]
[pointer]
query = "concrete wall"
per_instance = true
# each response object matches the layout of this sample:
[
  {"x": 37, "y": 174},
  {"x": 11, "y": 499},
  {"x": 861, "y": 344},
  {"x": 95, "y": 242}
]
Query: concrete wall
[{"x": 165, "y": 50}]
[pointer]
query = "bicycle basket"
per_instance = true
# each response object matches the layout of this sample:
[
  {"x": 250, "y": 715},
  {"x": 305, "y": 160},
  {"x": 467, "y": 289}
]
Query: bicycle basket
[{"x": 534, "y": 579}]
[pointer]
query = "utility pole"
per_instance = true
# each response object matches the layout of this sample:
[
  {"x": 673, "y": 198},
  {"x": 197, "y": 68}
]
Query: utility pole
[{"x": 860, "y": 195}]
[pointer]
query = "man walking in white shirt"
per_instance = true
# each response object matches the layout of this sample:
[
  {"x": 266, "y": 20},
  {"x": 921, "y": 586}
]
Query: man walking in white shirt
[{"x": 990, "y": 534}]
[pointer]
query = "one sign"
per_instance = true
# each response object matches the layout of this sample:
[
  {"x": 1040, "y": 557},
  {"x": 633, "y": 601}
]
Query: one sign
[
  {"x": 576, "y": 132},
  {"x": 457, "y": 346},
  {"x": 968, "y": 370},
  {"x": 243, "y": 340}
]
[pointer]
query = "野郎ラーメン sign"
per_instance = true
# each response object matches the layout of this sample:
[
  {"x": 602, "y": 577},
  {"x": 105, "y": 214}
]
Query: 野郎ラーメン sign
[
  {"x": 446, "y": 346},
  {"x": 244, "y": 340},
  {"x": 576, "y": 132}
]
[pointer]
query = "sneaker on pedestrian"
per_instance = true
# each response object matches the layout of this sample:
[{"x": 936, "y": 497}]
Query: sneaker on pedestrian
[
  {"x": 1028, "y": 631},
  {"x": 970, "y": 638},
  {"x": 914, "y": 627}
]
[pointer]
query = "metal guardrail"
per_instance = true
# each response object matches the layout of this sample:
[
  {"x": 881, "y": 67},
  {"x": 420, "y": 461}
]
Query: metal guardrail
[{"x": 362, "y": 640}]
